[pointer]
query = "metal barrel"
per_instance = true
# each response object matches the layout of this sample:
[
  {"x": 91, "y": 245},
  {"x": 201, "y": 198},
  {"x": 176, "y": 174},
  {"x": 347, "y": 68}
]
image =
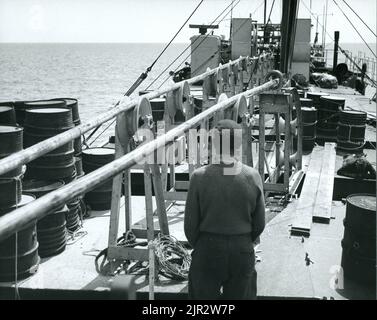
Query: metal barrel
[
  {"x": 10, "y": 192},
  {"x": 49, "y": 119},
  {"x": 73, "y": 105},
  {"x": 301, "y": 93},
  {"x": 27, "y": 250},
  {"x": 305, "y": 102},
  {"x": 44, "y": 123},
  {"x": 52, "y": 233},
  {"x": 11, "y": 141},
  {"x": 92, "y": 159},
  {"x": 309, "y": 119},
  {"x": 39, "y": 188},
  {"x": 351, "y": 131},
  {"x": 359, "y": 240},
  {"x": 328, "y": 116},
  {"x": 316, "y": 97},
  {"x": 7, "y": 116}
]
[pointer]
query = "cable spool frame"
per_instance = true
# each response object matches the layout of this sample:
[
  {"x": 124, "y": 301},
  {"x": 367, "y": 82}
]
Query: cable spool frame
[
  {"x": 277, "y": 103},
  {"x": 126, "y": 126}
]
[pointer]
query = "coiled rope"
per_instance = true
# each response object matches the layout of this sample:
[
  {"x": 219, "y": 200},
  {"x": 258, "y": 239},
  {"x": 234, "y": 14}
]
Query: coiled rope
[{"x": 173, "y": 259}]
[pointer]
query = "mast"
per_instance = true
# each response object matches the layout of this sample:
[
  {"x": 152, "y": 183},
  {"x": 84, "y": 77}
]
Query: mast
[
  {"x": 324, "y": 35},
  {"x": 265, "y": 12}
]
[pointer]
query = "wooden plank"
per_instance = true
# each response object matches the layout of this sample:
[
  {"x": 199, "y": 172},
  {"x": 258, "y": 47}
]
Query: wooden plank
[
  {"x": 305, "y": 206},
  {"x": 322, "y": 208},
  {"x": 160, "y": 201},
  {"x": 175, "y": 196},
  {"x": 182, "y": 185},
  {"x": 126, "y": 253}
]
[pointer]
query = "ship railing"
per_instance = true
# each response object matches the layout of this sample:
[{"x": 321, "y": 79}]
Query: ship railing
[{"x": 37, "y": 209}]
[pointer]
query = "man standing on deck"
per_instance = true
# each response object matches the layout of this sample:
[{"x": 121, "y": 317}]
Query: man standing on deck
[{"x": 224, "y": 215}]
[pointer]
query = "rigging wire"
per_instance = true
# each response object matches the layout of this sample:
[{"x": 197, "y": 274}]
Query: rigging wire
[
  {"x": 353, "y": 26},
  {"x": 359, "y": 18},
  {"x": 179, "y": 30},
  {"x": 188, "y": 47},
  {"x": 144, "y": 75},
  {"x": 269, "y": 16}
]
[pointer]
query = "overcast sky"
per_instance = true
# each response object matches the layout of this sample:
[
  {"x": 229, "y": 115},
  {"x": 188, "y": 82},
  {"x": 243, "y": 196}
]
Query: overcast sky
[{"x": 152, "y": 20}]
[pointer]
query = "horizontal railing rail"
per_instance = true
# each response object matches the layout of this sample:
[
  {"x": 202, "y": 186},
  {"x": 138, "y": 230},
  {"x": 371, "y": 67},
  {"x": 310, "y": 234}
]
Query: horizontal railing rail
[{"x": 22, "y": 216}]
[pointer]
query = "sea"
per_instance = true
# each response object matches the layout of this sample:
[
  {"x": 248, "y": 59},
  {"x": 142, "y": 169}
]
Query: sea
[{"x": 97, "y": 74}]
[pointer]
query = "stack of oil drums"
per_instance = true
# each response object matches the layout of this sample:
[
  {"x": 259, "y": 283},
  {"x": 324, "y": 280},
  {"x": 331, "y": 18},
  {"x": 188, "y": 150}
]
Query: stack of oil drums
[
  {"x": 351, "y": 131},
  {"x": 21, "y": 249},
  {"x": 328, "y": 116},
  {"x": 59, "y": 164},
  {"x": 359, "y": 241},
  {"x": 92, "y": 159},
  {"x": 51, "y": 229}
]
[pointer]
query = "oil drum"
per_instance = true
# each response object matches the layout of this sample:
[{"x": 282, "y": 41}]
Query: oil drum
[
  {"x": 359, "y": 240},
  {"x": 73, "y": 105},
  {"x": 301, "y": 93},
  {"x": 351, "y": 131},
  {"x": 44, "y": 123},
  {"x": 11, "y": 141},
  {"x": 27, "y": 250},
  {"x": 52, "y": 233},
  {"x": 305, "y": 102},
  {"x": 328, "y": 116},
  {"x": 92, "y": 159},
  {"x": 7, "y": 116},
  {"x": 10, "y": 192},
  {"x": 309, "y": 119},
  {"x": 316, "y": 97},
  {"x": 39, "y": 188}
]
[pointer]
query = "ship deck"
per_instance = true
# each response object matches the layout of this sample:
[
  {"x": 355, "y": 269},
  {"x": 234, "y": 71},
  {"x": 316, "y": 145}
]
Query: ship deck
[{"x": 282, "y": 269}]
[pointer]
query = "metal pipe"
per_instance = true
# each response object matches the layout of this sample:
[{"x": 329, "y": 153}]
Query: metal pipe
[
  {"x": 18, "y": 159},
  {"x": 17, "y": 219}
]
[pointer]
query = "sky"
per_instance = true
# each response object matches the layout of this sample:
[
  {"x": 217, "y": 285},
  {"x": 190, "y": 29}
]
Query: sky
[{"x": 156, "y": 20}]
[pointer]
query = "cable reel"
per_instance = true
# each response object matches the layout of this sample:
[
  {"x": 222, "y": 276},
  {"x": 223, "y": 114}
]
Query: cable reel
[
  {"x": 179, "y": 99},
  {"x": 139, "y": 117}
]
